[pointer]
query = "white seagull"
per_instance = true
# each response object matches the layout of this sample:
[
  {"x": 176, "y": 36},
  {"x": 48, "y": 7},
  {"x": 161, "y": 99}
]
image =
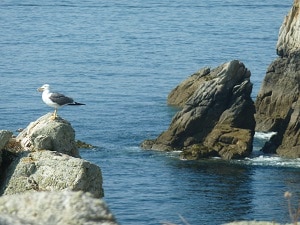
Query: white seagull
[{"x": 55, "y": 100}]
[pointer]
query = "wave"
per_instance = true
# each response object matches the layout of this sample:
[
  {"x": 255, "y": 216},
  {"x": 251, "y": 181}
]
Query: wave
[
  {"x": 272, "y": 160},
  {"x": 264, "y": 135}
]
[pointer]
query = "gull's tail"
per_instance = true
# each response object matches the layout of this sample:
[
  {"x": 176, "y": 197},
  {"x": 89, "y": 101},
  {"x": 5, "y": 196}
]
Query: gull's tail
[{"x": 76, "y": 103}]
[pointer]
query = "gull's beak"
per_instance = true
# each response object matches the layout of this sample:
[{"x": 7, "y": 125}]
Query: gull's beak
[{"x": 40, "y": 89}]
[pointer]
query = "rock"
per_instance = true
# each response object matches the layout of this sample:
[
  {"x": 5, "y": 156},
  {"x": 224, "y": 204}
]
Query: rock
[
  {"x": 46, "y": 133},
  {"x": 55, "y": 208},
  {"x": 290, "y": 144},
  {"x": 12, "y": 220},
  {"x": 289, "y": 33},
  {"x": 217, "y": 118},
  {"x": 5, "y": 135},
  {"x": 47, "y": 171},
  {"x": 180, "y": 95},
  {"x": 277, "y": 103}
]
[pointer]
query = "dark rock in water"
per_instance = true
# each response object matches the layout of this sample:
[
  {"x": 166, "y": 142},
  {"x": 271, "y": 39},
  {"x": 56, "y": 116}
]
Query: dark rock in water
[
  {"x": 46, "y": 133},
  {"x": 277, "y": 103},
  {"x": 217, "y": 118}
]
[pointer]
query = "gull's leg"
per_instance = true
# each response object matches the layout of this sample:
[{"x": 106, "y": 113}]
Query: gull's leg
[{"x": 54, "y": 115}]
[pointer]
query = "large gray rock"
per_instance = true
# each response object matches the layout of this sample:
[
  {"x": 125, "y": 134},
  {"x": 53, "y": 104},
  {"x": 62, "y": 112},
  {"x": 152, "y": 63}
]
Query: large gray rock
[
  {"x": 46, "y": 133},
  {"x": 216, "y": 120},
  {"x": 54, "y": 208},
  {"x": 12, "y": 220},
  {"x": 289, "y": 33},
  {"x": 277, "y": 103},
  {"x": 47, "y": 171}
]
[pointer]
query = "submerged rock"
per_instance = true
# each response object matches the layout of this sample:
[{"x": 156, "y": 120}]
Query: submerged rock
[
  {"x": 277, "y": 103},
  {"x": 54, "y": 208},
  {"x": 217, "y": 118},
  {"x": 46, "y": 133}
]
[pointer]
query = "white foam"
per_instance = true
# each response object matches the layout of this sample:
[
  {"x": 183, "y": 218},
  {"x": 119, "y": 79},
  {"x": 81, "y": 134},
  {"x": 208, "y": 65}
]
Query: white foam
[
  {"x": 264, "y": 135},
  {"x": 272, "y": 160}
]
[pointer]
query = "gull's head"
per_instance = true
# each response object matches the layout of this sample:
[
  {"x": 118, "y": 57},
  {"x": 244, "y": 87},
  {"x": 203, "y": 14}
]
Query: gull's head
[{"x": 44, "y": 87}]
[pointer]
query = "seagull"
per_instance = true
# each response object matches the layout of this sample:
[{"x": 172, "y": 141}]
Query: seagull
[{"x": 55, "y": 100}]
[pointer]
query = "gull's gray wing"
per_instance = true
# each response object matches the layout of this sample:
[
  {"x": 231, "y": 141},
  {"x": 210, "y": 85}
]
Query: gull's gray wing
[{"x": 60, "y": 99}]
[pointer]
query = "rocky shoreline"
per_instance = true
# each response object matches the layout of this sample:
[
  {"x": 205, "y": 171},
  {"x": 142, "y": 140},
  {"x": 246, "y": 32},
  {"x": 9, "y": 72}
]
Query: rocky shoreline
[
  {"x": 43, "y": 180},
  {"x": 218, "y": 116}
]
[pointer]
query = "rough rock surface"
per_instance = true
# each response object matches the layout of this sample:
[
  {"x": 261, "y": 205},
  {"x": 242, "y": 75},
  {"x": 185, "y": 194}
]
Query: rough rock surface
[
  {"x": 47, "y": 171},
  {"x": 180, "y": 95},
  {"x": 289, "y": 33},
  {"x": 216, "y": 120},
  {"x": 5, "y": 135},
  {"x": 54, "y": 208},
  {"x": 46, "y": 133},
  {"x": 277, "y": 103}
]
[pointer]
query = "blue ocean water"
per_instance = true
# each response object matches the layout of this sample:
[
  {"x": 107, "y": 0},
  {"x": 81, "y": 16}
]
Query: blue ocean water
[{"x": 122, "y": 58}]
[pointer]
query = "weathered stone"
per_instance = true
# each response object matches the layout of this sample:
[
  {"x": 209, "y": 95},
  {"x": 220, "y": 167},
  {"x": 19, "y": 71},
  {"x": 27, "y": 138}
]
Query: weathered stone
[
  {"x": 277, "y": 103},
  {"x": 290, "y": 145},
  {"x": 5, "y": 135},
  {"x": 46, "y": 133},
  {"x": 55, "y": 208},
  {"x": 181, "y": 94},
  {"x": 219, "y": 115},
  {"x": 289, "y": 33},
  {"x": 48, "y": 170},
  {"x": 6, "y": 219}
]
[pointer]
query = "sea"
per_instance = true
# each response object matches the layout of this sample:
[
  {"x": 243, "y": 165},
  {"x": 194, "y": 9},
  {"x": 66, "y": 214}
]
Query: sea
[{"x": 122, "y": 58}]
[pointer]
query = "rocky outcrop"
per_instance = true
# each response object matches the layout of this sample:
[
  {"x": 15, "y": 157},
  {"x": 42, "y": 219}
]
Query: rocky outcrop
[
  {"x": 43, "y": 180},
  {"x": 217, "y": 118},
  {"x": 54, "y": 208},
  {"x": 46, "y": 133},
  {"x": 277, "y": 103},
  {"x": 44, "y": 157},
  {"x": 47, "y": 171},
  {"x": 289, "y": 33}
]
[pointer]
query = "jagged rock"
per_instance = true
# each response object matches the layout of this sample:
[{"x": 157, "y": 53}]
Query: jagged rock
[
  {"x": 55, "y": 208},
  {"x": 289, "y": 33},
  {"x": 5, "y": 135},
  {"x": 180, "y": 95},
  {"x": 255, "y": 223},
  {"x": 217, "y": 119},
  {"x": 48, "y": 170},
  {"x": 277, "y": 103},
  {"x": 46, "y": 133}
]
